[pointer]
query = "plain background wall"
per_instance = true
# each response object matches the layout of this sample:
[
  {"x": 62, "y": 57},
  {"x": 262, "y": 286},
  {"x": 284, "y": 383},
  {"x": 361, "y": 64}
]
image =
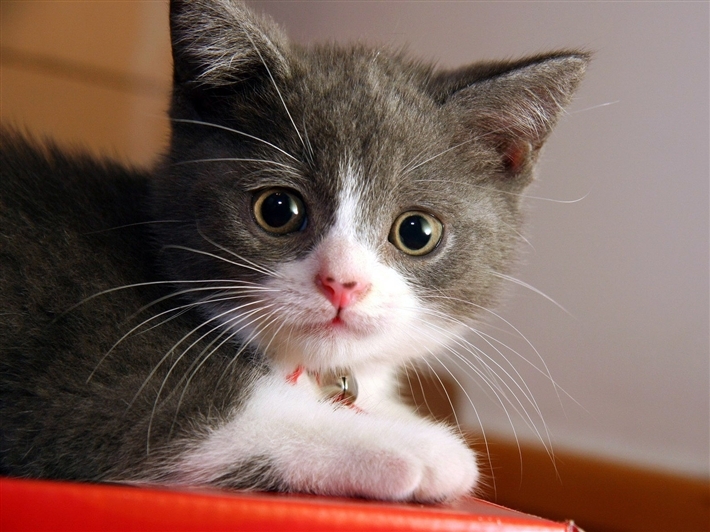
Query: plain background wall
[{"x": 629, "y": 260}]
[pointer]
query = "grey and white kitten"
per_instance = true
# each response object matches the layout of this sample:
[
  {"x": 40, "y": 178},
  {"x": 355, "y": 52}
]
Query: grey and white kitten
[{"x": 323, "y": 217}]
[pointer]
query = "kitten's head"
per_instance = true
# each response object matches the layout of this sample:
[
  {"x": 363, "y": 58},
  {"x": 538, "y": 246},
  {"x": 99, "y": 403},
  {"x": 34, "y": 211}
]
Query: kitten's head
[{"x": 348, "y": 205}]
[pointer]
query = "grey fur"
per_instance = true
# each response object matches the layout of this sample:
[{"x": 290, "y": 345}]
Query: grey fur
[{"x": 460, "y": 144}]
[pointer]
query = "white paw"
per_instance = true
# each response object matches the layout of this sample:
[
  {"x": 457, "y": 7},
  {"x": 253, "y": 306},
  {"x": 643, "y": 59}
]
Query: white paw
[
  {"x": 311, "y": 447},
  {"x": 413, "y": 461},
  {"x": 450, "y": 469}
]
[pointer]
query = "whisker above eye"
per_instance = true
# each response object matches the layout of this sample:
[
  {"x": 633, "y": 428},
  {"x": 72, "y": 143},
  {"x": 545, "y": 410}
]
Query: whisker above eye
[
  {"x": 407, "y": 169},
  {"x": 273, "y": 82},
  {"x": 237, "y": 160},
  {"x": 310, "y": 154},
  {"x": 235, "y": 131},
  {"x": 500, "y": 191}
]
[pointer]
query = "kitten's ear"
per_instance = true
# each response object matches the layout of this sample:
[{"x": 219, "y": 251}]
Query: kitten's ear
[
  {"x": 217, "y": 43},
  {"x": 512, "y": 106}
]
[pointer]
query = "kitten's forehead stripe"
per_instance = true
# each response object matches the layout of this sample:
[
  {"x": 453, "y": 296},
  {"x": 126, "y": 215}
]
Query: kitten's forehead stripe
[{"x": 350, "y": 220}]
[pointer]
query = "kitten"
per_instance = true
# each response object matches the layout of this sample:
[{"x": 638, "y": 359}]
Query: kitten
[{"x": 239, "y": 316}]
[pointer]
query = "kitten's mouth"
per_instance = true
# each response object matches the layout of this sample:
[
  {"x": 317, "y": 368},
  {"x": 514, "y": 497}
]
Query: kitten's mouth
[{"x": 336, "y": 325}]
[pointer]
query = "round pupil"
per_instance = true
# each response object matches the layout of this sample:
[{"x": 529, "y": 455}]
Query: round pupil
[
  {"x": 415, "y": 232},
  {"x": 278, "y": 209}
]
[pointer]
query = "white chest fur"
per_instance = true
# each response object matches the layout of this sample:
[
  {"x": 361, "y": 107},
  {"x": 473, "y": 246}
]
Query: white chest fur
[{"x": 379, "y": 450}]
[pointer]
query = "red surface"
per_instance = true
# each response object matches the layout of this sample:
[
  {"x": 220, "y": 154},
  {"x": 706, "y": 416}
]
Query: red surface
[{"x": 41, "y": 505}]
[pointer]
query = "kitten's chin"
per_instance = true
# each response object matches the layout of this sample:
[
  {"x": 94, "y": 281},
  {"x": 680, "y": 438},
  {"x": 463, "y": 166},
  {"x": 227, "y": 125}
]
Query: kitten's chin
[
  {"x": 340, "y": 326},
  {"x": 351, "y": 344}
]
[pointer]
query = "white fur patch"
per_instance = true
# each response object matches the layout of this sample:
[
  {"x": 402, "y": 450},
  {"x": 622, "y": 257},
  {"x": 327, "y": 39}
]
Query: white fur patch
[{"x": 384, "y": 452}]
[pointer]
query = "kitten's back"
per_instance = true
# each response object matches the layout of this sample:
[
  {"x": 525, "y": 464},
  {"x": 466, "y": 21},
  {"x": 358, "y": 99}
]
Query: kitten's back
[{"x": 73, "y": 228}]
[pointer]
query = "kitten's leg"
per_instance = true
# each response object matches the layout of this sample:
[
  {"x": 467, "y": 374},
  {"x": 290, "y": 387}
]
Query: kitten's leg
[{"x": 310, "y": 446}]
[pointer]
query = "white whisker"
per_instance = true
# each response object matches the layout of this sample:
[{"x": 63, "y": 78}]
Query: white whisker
[
  {"x": 172, "y": 367},
  {"x": 408, "y": 170},
  {"x": 246, "y": 265},
  {"x": 310, "y": 154},
  {"x": 441, "y": 384},
  {"x": 201, "y": 359},
  {"x": 499, "y": 191},
  {"x": 421, "y": 385},
  {"x": 494, "y": 382},
  {"x": 137, "y": 285},
  {"x": 174, "y": 347},
  {"x": 529, "y": 287},
  {"x": 473, "y": 406},
  {"x": 477, "y": 352},
  {"x": 247, "y": 341},
  {"x": 237, "y": 160},
  {"x": 242, "y": 287},
  {"x": 231, "y": 130},
  {"x": 261, "y": 268},
  {"x": 273, "y": 81},
  {"x": 569, "y": 113},
  {"x": 520, "y": 334}
]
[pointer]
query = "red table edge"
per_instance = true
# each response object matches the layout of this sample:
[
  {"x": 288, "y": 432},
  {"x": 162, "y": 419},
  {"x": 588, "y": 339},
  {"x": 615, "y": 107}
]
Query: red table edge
[{"x": 49, "y": 505}]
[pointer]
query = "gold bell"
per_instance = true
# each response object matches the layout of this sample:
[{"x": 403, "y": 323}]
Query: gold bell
[{"x": 337, "y": 386}]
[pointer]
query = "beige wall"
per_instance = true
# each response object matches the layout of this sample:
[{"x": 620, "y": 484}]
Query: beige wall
[
  {"x": 629, "y": 260},
  {"x": 94, "y": 74}
]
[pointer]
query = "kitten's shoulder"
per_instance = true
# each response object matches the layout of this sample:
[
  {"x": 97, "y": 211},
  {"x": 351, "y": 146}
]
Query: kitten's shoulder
[
  {"x": 45, "y": 183},
  {"x": 72, "y": 225}
]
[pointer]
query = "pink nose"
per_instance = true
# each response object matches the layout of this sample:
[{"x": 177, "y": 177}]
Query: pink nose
[{"x": 340, "y": 294}]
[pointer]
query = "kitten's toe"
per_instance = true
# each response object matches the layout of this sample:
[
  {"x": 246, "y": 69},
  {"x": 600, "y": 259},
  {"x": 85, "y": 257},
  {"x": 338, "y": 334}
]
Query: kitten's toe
[
  {"x": 371, "y": 473},
  {"x": 435, "y": 470},
  {"x": 386, "y": 475},
  {"x": 449, "y": 473}
]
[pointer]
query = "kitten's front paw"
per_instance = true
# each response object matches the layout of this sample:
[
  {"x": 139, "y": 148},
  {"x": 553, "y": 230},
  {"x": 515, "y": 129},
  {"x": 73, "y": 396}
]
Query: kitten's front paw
[
  {"x": 450, "y": 469},
  {"x": 420, "y": 462}
]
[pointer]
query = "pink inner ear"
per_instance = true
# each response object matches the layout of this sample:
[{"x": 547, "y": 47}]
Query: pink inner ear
[{"x": 516, "y": 156}]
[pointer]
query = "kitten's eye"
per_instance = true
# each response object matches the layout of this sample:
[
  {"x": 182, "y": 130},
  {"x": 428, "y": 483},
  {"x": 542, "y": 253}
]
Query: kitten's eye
[
  {"x": 279, "y": 211},
  {"x": 416, "y": 233}
]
